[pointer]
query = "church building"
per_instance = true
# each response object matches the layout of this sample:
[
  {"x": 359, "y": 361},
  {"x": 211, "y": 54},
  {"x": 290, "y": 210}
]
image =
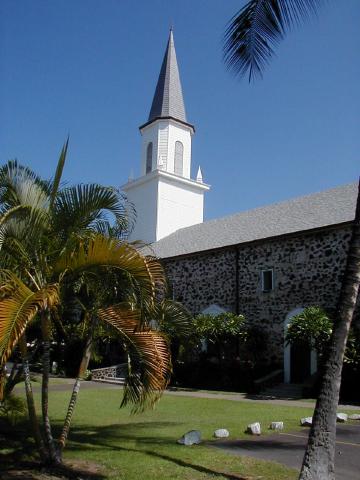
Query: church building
[{"x": 268, "y": 263}]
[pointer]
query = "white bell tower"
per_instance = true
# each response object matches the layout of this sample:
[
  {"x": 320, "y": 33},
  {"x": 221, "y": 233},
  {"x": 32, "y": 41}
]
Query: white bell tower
[{"x": 165, "y": 197}]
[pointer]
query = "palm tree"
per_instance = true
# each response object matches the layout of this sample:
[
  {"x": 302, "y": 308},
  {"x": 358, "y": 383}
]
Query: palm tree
[
  {"x": 52, "y": 237},
  {"x": 249, "y": 42}
]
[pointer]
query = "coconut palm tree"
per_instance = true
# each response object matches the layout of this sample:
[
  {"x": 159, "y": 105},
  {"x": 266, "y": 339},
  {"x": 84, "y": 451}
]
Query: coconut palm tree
[
  {"x": 248, "y": 46},
  {"x": 51, "y": 237}
]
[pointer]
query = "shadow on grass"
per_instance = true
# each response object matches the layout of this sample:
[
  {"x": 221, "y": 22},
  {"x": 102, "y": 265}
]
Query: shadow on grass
[
  {"x": 19, "y": 458},
  {"x": 261, "y": 445},
  {"x": 17, "y": 447},
  {"x": 110, "y": 437}
]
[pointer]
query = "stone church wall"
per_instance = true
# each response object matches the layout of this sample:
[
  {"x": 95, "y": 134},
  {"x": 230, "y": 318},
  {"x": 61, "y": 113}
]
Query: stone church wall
[{"x": 307, "y": 271}]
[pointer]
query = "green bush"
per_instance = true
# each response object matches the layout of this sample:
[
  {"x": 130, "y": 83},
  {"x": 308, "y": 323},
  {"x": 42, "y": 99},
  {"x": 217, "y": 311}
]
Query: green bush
[{"x": 12, "y": 408}]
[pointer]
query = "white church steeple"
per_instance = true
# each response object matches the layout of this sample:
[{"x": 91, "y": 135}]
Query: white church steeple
[
  {"x": 167, "y": 135},
  {"x": 165, "y": 197}
]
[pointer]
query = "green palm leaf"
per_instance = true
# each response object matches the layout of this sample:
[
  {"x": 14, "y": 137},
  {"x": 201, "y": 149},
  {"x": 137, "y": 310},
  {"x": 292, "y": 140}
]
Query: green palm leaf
[
  {"x": 90, "y": 206},
  {"x": 172, "y": 318},
  {"x": 102, "y": 252},
  {"x": 150, "y": 367},
  {"x": 18, "y": 306},
  {"x": 257, "y": 28},
  {"x": 58, "y": 173},
  {"x": 12, "y": 174}
]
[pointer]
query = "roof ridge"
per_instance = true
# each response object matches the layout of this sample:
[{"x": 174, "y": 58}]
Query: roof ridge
[
  {"x": 302, "y": 223},
  {"x": 280, "y": 202}
]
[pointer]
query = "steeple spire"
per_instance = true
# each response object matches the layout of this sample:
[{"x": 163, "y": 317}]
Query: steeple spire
[{"x": 168, "y": 99}]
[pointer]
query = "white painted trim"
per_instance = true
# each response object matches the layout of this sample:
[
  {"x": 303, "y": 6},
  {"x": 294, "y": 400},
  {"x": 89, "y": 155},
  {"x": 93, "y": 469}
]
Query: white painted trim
[
  {"x": 167, "y": 175},
  {"x": 172, "y": 121}
]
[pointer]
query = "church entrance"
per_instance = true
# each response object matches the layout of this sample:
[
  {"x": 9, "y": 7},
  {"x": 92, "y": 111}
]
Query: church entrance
[{"x": 300, "y": 362}]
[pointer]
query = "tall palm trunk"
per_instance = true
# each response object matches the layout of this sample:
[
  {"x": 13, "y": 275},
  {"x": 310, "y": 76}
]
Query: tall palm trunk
[
  {"x": 30, "y": 400},
  {"x": 318, "y": 463},
  {"x": 53, "y": 456},
  {"x": 2, "y": 382},
  {"x": 69, "y": 414},
  {"x": 82, "y": 369}
]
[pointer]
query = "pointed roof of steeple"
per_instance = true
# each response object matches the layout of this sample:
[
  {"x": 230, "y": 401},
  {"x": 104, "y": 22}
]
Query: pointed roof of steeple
[{"x": 168, "y": 99}]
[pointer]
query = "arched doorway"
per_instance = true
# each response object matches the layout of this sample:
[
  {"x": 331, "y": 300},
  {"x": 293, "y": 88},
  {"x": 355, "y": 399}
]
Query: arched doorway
[
  {"x": 299, "y": 362},
  {"x": 212, "y": 309}
]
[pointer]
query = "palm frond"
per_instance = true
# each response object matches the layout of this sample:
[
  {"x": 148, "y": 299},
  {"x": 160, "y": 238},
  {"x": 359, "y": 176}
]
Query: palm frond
[
  {"x": 18, "y": 238},
  {"x": 81, "y": 207},
  {"x": 19, "y": 185},
  {"x": 172, "y": 318},
  {"x": 58, "y": 173},
  {"x": 12, "y": 173},
  {"x": 257, "y": 28},
  {"x": 23, "y": 222},
  {"x": 102, "y": 252},
  {"x": 149, "y": 357},
  {"x": 18, "y": 306}
]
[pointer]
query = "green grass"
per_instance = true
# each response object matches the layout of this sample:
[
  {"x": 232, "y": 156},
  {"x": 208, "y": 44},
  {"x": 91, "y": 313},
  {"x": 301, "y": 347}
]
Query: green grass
[
  {"x": 144, "y": 446},
  {"x": 132, "y": 447}
]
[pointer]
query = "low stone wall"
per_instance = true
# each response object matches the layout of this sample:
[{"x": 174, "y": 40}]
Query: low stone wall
[{"x": 109, "y": 373}]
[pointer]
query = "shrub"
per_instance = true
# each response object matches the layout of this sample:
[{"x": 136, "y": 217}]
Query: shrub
[{"x": 12, "y": 408}]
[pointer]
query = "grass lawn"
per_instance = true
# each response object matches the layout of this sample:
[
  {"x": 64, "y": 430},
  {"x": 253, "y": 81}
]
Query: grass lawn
[{"x": 144, "y": 446}]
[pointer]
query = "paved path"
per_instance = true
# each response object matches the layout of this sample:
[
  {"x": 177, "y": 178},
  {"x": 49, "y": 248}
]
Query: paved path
[
  {"x": 288, "y": 449},
  {"x": 67, "y": 384}
]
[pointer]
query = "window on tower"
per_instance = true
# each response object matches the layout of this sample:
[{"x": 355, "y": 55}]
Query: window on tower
[
  {"x": 178, "y": 161},
  {"x": 149, "y": 154}
]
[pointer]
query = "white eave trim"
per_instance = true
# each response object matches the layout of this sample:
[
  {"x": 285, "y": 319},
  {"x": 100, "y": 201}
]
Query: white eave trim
[{"x": 171, "y": 177}]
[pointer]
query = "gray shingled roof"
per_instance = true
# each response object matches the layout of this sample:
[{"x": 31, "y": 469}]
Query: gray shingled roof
[
  {"x": 168, "y": 99},
  {"x": 317, "y": 210}
]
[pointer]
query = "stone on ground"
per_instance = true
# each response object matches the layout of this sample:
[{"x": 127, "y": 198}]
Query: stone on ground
[
  {"x": 221, "y": 433},
  {"x": 277, "y": 425},
  {"x": 193, "y": 437},
  {"x": 306, "y": 422},
  {"x": 254, "y": 428},
  {"x": 354, "y": 416},
  {"x": 341, "y": 417}
]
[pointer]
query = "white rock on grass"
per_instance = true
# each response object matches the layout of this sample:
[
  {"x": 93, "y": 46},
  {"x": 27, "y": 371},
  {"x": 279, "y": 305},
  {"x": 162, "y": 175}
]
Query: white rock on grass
[
  {"x": 341, "y": 417},
  {"x": 277, "y": 425},
  {"x": 306, "y": 422},
  {"x": 354, "y": 416},
  {"x": 254, "y": 428},
  {"x": 193, "y": 437},
  {"x": 221, "y": 433}
]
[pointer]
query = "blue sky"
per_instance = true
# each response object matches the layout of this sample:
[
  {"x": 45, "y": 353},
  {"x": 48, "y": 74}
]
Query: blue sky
[{"x": 89, "y": 68}]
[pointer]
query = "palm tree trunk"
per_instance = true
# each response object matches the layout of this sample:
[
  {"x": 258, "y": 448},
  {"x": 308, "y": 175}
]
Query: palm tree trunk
[
  {"x": 82, "y": 369},
  {"x": 2, "y": 383},
  {"x": 30, "y": 400},
  {"x": 69, "y": 414},
  {"x": 53, "y": 456},
  {"x": 318, "y": 463}
]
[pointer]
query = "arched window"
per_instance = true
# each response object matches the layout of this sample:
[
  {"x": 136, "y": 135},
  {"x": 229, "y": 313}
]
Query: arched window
[
  {"x": 149, "y": 155},
  {"x": 178, "y": 161}
]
